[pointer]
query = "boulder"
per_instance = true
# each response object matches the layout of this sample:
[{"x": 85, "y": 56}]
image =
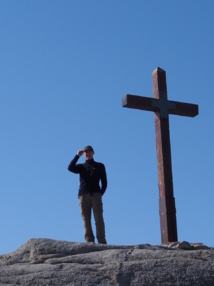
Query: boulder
[{"x": 51, "y": 262}]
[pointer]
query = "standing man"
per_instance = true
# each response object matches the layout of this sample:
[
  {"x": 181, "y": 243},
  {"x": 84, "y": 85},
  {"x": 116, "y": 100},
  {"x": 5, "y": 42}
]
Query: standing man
[{"x": 90, "y": 193}]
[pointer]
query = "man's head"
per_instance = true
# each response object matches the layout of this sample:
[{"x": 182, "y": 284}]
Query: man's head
[{"x": 88, "y": 152}]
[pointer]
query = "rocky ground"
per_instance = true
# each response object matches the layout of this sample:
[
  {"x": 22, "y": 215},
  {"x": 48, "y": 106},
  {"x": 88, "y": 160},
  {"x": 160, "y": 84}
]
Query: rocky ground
[{"x": 51, "y": 262}]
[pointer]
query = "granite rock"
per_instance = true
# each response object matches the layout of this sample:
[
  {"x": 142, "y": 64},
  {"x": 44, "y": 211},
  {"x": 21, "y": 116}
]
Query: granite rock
[{"x": 51, "y": 262}]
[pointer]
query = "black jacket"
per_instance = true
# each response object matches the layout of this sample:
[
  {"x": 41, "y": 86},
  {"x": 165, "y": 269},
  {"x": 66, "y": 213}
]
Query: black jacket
[{"x": 91, "y": 173}]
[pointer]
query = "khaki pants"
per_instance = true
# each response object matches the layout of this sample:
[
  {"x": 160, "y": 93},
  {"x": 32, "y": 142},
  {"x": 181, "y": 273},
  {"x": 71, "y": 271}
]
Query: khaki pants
[{"x": 93, "y": 202}]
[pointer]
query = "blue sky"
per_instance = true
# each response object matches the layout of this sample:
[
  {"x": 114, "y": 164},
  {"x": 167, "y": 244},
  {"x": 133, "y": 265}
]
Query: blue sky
[{"x": 65, "y": 66}]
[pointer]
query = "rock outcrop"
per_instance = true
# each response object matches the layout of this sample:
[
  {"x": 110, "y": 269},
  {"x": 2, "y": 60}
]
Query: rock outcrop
[{"x": 50, "y": 262}]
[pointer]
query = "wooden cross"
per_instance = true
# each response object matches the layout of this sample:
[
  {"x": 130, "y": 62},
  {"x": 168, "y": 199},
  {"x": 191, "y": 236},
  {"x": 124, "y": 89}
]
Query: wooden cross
[{"x": 162, "y": 107}]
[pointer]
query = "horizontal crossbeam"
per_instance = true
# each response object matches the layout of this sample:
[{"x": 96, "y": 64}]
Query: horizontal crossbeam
[{"x": 152, "y": 104}]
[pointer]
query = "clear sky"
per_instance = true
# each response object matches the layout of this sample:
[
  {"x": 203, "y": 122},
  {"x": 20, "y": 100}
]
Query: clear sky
[{"x": 65, "y": 66}]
